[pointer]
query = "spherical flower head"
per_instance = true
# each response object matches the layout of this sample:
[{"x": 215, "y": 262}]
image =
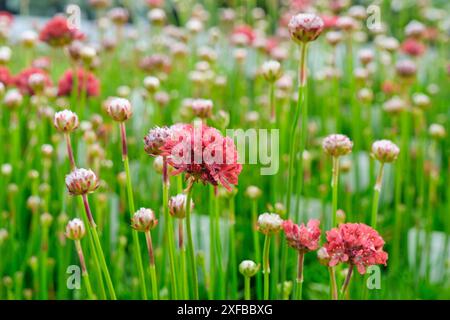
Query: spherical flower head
[
  {"x": 155, "y": 140},
  {"x": 119, "y": 109},
  {"x": 385, "y": 151},
  {"x": 157, "y": 16},
  {"x": 421, "y": 100},
  {"x": 356, "y": 244},
  {"x": 46, "y": 219},
  {"x": 86, "y": 81},
  {"x": 305, "y": 27},
  {"x": 406, "y": 69},
  {"x": 75, "y": 229},
  {"x": 65, "y": 121},
  {"x": 248, "y": 268},
  {"x": 202, "y": 108},
  {"x": 395, "y": 105},
  {"x": 24, "y": 78},
  {"x": 253, "y": 192},
  {"x": 119, "y": 16},
  {"x": 81, "y": 181},
  {"x": 144, "y": 220},
  {"x": 437, "y": 131},
  {"x": 151, "y": 84},
  {"x": 415, "y": 29},
  {"x": 337, "y": 145},
  {"x": 269, "y": 223},
  {"x": 333, "y": 37},
  {"x": 302, "y": 238},
  {"x": 59, "y": 32},
  {"x": 37, "y": 81},
  {"x": 346, "y": 23},
  {"x": 203, "y": 154},
  {"x": 177, "y": 206},
  {"x": 13, "y": 99},
  {"x": 271, "y": 70}
]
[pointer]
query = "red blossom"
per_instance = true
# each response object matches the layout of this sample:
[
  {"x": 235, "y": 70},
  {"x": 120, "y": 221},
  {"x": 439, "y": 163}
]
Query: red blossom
[
  {"x": 302, "y": 238},
  {"x": 413, "y": 47},
  {"x": 21, "y": 81},
  {"x": 203, "y": 154},
  {"x": 329, "y": 21},
  {"x": 244, "y": 31},
  {"x": 86, "y": 80},
  {"x": 356, "y": 244},
  {"x": 6, "y": 18},
  {"x": 57, "y": 32},
  {"x": 5, "y": 76}
]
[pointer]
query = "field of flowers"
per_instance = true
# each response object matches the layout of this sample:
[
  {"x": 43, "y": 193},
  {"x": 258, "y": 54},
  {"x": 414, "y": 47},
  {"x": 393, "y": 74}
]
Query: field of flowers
[{"x": 226, "y": 150}]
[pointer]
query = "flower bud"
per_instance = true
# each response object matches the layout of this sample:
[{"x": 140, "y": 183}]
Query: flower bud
[
  {"x": 75, "y": 229},
  {"x": 144, "y": 220},
  {"x": 385, "y": 151},
  {"x": 155, "y": 140},
  {"x": 437, "y": 131},
  {"x": 269, "y": 223},
  {"x": 421, "y": 100},
  {"x": 29, "y": 38},
  {"x": 13, "y": 99},
  {"x": 202, "y": 108},
  {"x": 65, "y": 121},
  {"x": 177, "y": 206},
  {"x": 271, "y": 70},
  {"x": 119, "y": 109},
  {"x": 46, "y": 220},
  {"x": 33, "y": 203},
  {"x": 305, "y": 27},
  {"x": 253, "y": 192},
  {"x": 395, "y": 105},
  {"x": 248, "y": 268},
  {"x": 406, "y": 69},
  {"x": 337, "y": 145},
  {"x": 6, "y": 169},
  {"x": 3, "y": 236},
  {"x": 81, "y": 181},
  {"x": 151, "y": 84}
]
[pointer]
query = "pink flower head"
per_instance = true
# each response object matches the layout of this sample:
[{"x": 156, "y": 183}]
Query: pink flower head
[
  {"x": 413, "y": 47},
  {"x": 22, "y": 80},
  {"x": 356, "y": 244},
  {"x": 203, "y": 154},
  {"x": 58, "y": 32},
  {"x": 301, "y": 237},
  {"x": 6, "y": 18},
  {"x": 5, "y": 76},
  {"x": 243, "y": 34},
  {"x": 305, "y": 27},
  {"x": 85, "y": 79}
]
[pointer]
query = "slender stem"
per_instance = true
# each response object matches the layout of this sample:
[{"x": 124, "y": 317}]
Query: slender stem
[
  {"x": 247, "y": 293},
  {"x": 98, "y": 247},
  {"x": 299, "y": 290},
  {"x": 333, "y": 285},
  {"x": 233, "y": 260},
  {"x": 266, "y": 267},
  {"x": 183, "y": 271},
  {"x": 334, "y": 186},
  {"x": 70, "y": 152},
  {"x": 170, "y": 236},
  {"x": 43, "y": 289},
  {"x": 347, "y": 281},
  {"x": 256, "y": 247},
  {"x": 191, "y": 252},
  {"x": 151, "y": 256},
  {"x": 376, "y": 196},
  {"x": 131, "y": 208},
  {"x": 84, "y": 272}
]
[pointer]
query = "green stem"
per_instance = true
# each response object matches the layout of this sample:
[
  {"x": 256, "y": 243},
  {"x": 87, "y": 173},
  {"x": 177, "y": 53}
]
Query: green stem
[
  {"x": 347, "y": 281},
  {"x": 43, "y": 288},
  {"x": 334, "y": 186},
  {"x": 299, "y": 282},
  {"x": 148, "y": 238},
  {"x": 256, "y": 247},
  {"x": 191, "y": 252},
  {"x": 376, "y": 197},
  {"x": 170, "y": 238},
  {"x": 247, "y": 293},
  {"x": 266, "y": 268},
  {"x": 333, "y": 285},
  {"x": 85, "y": 274}
]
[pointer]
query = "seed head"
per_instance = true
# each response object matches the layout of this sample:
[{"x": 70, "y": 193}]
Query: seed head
[
  {"x": 337, "y": 145},
  {"x": 65, "y": 121},
  {"x": 119, "y": 109},
  {"x": 248, "y": 268},
  {"x": 81, "y": 181},
  {"x": 305, "y": 27},
  {"x": 385, "y": 151},
  {"x": 75, "y": 229},
  {"x": 144, "y": 220}
]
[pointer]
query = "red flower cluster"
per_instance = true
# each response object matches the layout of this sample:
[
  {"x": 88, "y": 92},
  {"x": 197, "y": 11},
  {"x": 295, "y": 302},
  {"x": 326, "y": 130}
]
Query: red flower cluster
[
  {"x": 302, "y": 238},
  {"x": 413, "y": 47},
  {"x": 244, "y": 31},
  {"x": 85, "y": 79},
  {"x": 57, "y": 32},
  {"x": 203, "y": 154},
  {"x": 5, "y": 76},
  {"x": 329, "y": 21},
  {"x": 356, "y": 244},
  {"x": 21, "y": 81}
]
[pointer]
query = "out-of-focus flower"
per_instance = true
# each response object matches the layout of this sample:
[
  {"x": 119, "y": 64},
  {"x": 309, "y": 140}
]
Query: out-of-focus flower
[
  {"x": 65, "y": 121},
  {"x": 28, "y": 38},
  {"x": 415, "y": 29},
  {"x": 421, "y": 100},
  {"x": 413, "y": 47},
  {"x": 5, "y": 76},
  {"x": 356, "y": 244},
  {"x": 337, "y": 145},
  {"x": 347, "y": 24},
  {"x": 323, "y": 256},
  {"x": 406, "y": 69},
  {"x": 248, "y": 268},
  {"x": 202, "y": 108},
  {"x": 13, "y": 99},
  {"x": 5, "y": 55},
  {"x": 157, "y": 16},
  {"x": 155, "y": 64},
  {"x": 151, "y": 84},
  {"x": 119, "y": 16},
  {"x": 86, "y": 80},
  {"x": 144, "y": 220},
  {"x": 269, "y": 223},
  {"x": 59, "y": 32},
  {"x": 437, "y": 131},
  {"x": 302, "y": 238},
  {"x": 6, "y": 19},
  {"x": 99, "y": 4},
  {"x": 243, "y": 35},
  {"x": 75, "y": 229},
  {"x": 395, "y": 105},
  {"x": 42, "y": 63},
  {"x": 22, "y": 80},
  {"x": 81, "y": 181},
  {"x": 253, "y": 192},
  {"x": 385, "y": 151},
  {"x": 177, "y": 206},
  {"x": 203, "y": 154},
  {"x": 305, "y": 27},
  {"x": 120, "y": 109},
  {"x": 271, "y": 70}
]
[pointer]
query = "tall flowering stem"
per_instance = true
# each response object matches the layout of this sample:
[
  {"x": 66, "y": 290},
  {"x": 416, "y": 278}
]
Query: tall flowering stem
[
  {"x": 346, "y": 281},
  {"x": 151, "y": 255},
  {"x": 334, "y": 186},
  {"x": 299, "y": 289},
  {"x": 136, "y": 245},
  {"x": 84, "y": 271},
  {"x": 266, "y": 266},
  {"x": 191, "y": 252}
]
